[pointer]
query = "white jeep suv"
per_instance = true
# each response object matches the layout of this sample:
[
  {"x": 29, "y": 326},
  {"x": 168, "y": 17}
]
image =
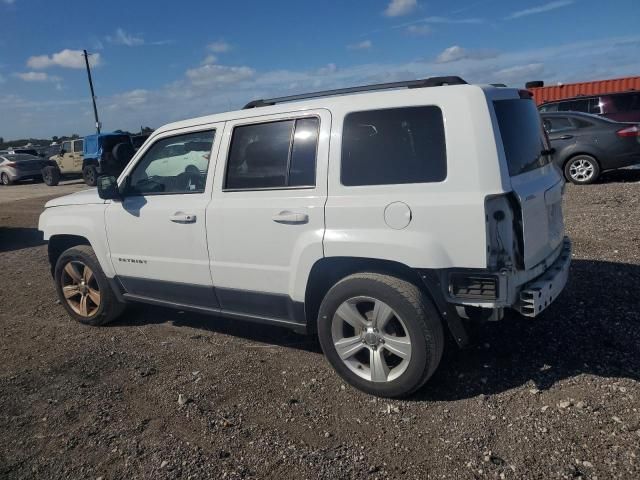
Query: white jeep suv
[{"x": 378, "y": 217}]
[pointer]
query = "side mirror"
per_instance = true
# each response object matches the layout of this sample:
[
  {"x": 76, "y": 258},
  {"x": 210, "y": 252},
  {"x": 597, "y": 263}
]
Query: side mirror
[
  {"x": 108, "y": 188},
  {"x": 62, "y": 152}
]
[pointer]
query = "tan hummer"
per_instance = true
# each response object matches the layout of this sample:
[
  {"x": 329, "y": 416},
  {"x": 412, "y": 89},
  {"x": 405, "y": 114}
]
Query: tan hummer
[{"x": 68, "y": 161}]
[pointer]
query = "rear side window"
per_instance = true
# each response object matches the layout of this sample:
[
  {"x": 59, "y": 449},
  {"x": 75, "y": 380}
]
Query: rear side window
[
  {"x": 77, "y": 146},
  {"x": 273, "y": 155},
  {"x": 557, "y": 124},
  {"x": 522, "y": 135},
  {"x": 393, "y": 146},
  {"x": 580, "y": 123}
]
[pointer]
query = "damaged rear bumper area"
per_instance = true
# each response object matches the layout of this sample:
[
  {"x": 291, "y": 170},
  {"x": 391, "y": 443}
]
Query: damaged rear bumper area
[{"x": 538, "y": 294}]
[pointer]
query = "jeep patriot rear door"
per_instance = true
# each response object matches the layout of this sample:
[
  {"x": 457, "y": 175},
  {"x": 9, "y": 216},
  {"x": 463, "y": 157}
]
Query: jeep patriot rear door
[{"x": 266, "y": 220}]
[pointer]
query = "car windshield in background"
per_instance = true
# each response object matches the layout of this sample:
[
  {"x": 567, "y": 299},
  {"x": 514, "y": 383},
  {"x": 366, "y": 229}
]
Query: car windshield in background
[{"x": 522, "y": 135}]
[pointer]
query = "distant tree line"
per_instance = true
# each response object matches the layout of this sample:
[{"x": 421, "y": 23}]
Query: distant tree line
[{"x": 47, "y": 141}]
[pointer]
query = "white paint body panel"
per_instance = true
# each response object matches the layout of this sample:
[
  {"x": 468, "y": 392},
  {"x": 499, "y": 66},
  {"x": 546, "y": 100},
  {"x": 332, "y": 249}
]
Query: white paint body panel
[
  {"x": 249, "y": 250},
  {"x": 139, "y": 229}
]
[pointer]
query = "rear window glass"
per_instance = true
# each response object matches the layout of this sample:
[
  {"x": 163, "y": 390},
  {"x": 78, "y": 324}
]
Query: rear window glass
[
  {"x": 522, "y": 135},
  {"x": 393, "y": 146}
]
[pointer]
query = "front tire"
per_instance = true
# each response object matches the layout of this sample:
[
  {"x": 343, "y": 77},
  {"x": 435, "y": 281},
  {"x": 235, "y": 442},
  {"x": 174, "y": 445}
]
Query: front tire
[
  {"x": 381, "y": 334},
  {"x": 51, "y": 176},
  {"x": 90, "y": 175},
  {"x": 83, "y": 288},
  {"x": 582, "y": 169}
]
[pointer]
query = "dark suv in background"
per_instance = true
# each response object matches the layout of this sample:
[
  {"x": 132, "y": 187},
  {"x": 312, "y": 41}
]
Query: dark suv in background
[{"x": 621, "y": 107}]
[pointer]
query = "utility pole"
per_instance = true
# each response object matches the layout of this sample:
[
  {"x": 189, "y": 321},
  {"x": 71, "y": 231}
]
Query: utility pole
[{"x": 93, "y": 95}]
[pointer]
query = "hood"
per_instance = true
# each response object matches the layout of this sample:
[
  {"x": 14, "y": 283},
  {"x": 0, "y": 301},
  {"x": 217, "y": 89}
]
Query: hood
[{"x": 84, "y": 197}]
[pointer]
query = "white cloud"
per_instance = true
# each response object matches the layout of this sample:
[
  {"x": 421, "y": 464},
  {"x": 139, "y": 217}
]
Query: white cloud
[
  {"x": 419, "y": 30},
  {"x": 547, "y": 7},
  {"x": 397, "y": 8},
  {"x": 123, "y": 38},
  {"x": 209, "y": 59},
  {"x": 363, "y": 45},
  {"x": 65, "y": 58},
  {"x": 517, "y": 72},
  {"x": 33, "y": 76},
  {"x": 456, "y": 53},
  {"x": 451, "y": 54},
  {"x": 328, "y": 69},
  {"x": 219, "y": 47},
  {"x": 218, "y": 75}
]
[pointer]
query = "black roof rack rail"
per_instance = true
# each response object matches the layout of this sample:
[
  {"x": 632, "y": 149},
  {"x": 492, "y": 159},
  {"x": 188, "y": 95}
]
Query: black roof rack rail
[{"x": 427, "y": 82}]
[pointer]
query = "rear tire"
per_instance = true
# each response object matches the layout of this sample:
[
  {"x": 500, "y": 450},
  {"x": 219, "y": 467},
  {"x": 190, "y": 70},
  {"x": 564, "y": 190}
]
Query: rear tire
[
  {"x": 90, "y": 175},
  {"x": 582, "y": 169},
  {"x": 83, "y": 288},
  {"x": 5, "y": 180},
  {"x": 388, "y": 358},
  {"x": 51, "y": 176}
]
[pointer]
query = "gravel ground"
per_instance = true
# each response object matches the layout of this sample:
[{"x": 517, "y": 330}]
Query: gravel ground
[
  {"x": 32, "y": 189},
  {"x": 555, "y": 397}
]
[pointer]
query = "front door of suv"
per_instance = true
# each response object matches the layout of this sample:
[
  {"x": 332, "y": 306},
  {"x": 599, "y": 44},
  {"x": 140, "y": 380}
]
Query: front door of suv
[
  {"x": 266, "y": 219},
  {"x": 157, "y": 235}
]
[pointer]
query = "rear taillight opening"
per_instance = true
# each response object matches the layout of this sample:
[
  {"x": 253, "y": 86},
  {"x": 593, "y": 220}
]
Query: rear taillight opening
[
  {"x": 632, "y": 131},
  {"x": 10, "y": 164}
]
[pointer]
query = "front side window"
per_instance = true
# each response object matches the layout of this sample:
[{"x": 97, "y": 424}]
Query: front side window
[
  {"x": 77, "y": 146},
  {"x": 393, "y": 146},
  {"x": 277, "y": 154},
  {"x": 173, "y": 165}
]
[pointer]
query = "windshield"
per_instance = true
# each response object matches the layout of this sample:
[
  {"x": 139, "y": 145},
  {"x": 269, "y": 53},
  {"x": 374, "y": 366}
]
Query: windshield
[{"x": 522, "y": 135}]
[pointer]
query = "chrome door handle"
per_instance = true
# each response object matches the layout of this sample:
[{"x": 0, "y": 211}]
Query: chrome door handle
[
  {"x": 566, "y": 137},
  {"x": 180, "y": 217},
  {"x": 290, "y": 218}
]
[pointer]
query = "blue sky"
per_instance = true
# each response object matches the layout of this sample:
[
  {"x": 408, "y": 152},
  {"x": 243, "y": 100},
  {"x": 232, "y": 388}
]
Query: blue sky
[{"x": 160, "y": 61}]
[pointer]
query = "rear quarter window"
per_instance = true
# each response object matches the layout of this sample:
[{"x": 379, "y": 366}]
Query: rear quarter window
[
  {"x": 393, "y": 146},
  {"x": 522, "y": 135}
]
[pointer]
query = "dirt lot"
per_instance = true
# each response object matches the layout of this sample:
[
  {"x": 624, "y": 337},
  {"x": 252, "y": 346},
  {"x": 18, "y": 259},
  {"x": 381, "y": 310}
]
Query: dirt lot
[
  {"x": 33, "y": 189},
  {"x": 555, "y": 397}
]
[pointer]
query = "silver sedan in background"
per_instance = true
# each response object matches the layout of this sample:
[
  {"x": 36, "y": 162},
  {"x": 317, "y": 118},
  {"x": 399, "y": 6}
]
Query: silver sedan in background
[{"x": 20, "y": 166}]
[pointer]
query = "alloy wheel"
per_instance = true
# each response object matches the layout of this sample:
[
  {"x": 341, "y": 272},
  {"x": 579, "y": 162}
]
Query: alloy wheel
[
  {"x": 371, "y": 339},
  {"x": 80, "y": 288},
  {"x": 581, "y": 170}
]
